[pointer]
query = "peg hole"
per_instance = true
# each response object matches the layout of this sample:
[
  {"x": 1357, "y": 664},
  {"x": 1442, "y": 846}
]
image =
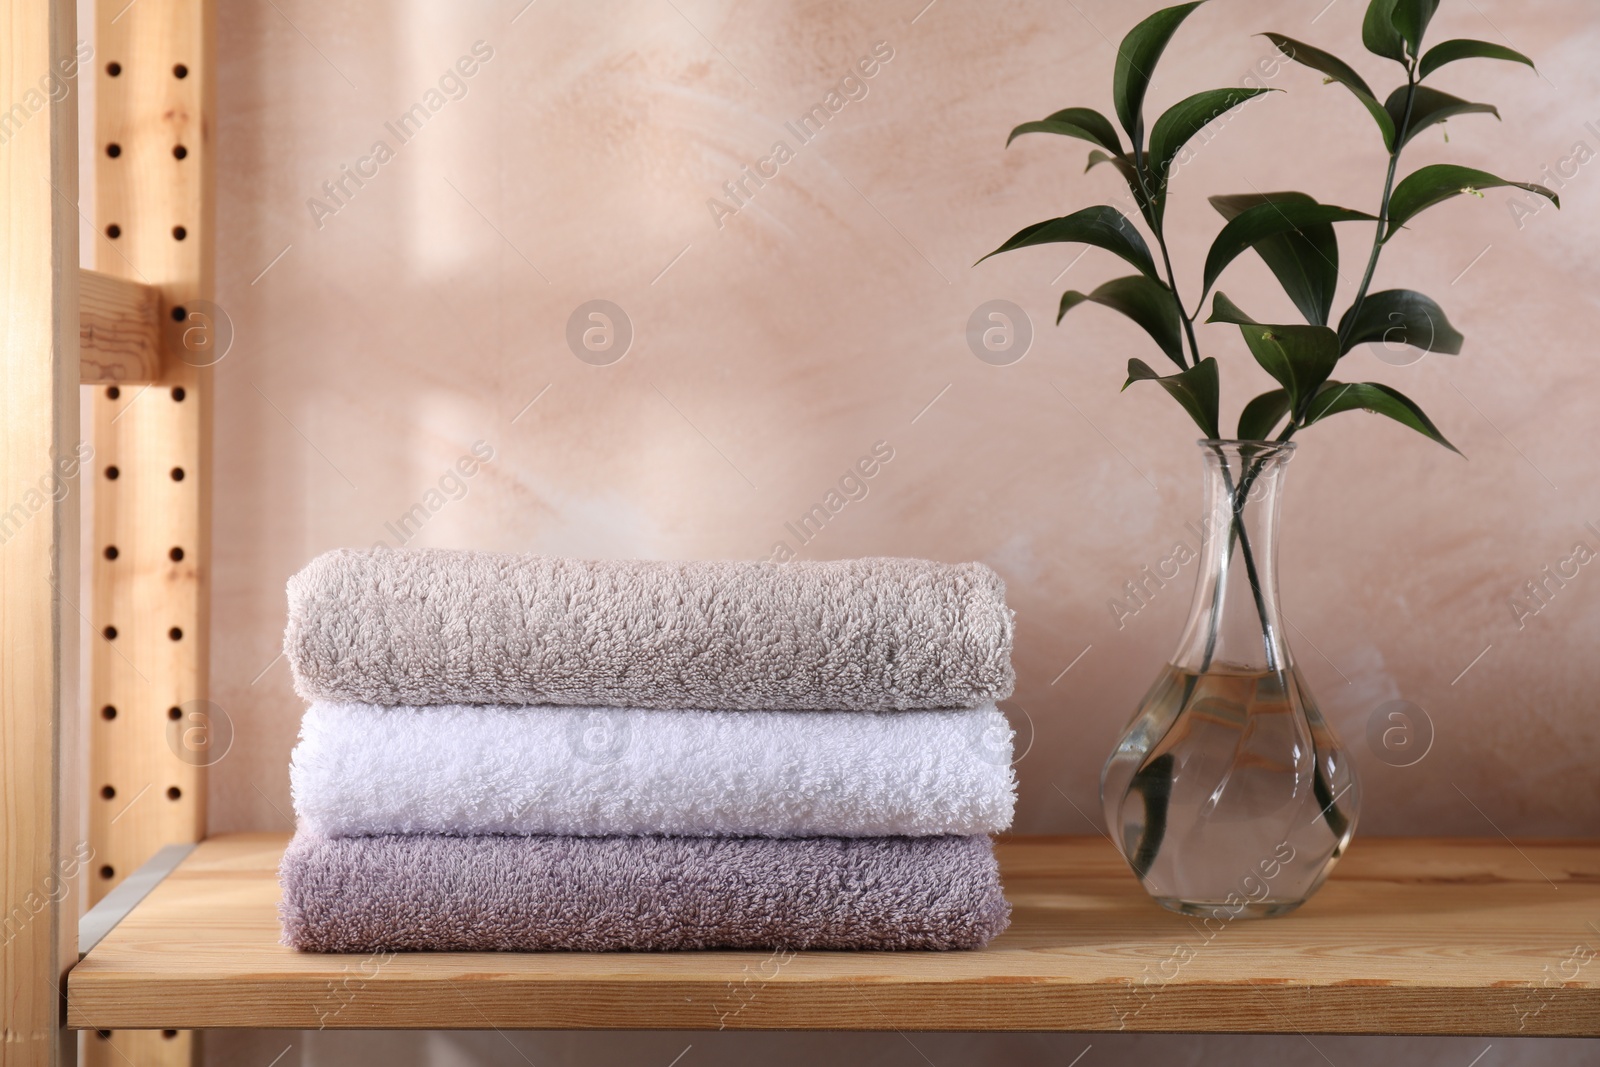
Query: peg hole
[
  {"x": 108, "y": 791},
  {"x": 176, "y": 554},
  {"x": 111, "y": 552},
  {"x": 176, "y": 633},
  {"x": 177, "y": 474},
  {"x": 110, "y": 633},
  {"x": 108, "y": 712},
  {"x": 113, "y": 150},
  {"x": 113, "y": 231}
]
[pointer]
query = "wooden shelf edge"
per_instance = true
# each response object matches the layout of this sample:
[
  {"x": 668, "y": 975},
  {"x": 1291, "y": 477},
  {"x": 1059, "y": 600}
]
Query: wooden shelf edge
[
  {"x": 1410, "y": 937},
  {"x": 119, "y": 330}
]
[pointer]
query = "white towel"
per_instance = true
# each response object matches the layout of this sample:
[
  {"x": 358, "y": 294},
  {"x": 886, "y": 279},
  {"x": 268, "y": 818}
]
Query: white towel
[{"x": 362, "y": 769}]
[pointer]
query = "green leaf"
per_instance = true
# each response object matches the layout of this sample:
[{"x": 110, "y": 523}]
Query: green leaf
[
  {"x": 1262, "y": 415},
  {"x": 1121, "y": 162},
  {"x": 1299, "y": 357},
  {"x": 1428, "y": 107},
  {"x": 1410, "y": 20},
  {"x": 1400, "y": 316},
  {"x": 1124, "y": 165},
  {"x": 1430, "y": 185},
  {"x": 1338, "y": 70},
  {"x": 1188, "y": 117},
  {"x": 1305, "y": 261},
  {"x": 1148, "y": 303},
  {"x": 1378, "y": 399},
  {"x": 1225, "y": 310},
  {"x": 1378, "y": 32},
  {"x": 1463, "y": 48},
  {"x": 1196, "y": 389},
  {"x": 1324, "y": 62},
  {"x": 1084, "y": 123},
  {"x": 1101, "y": 226},
  {"x": 1136, "y": 62},
  {"x": 1268, "y": 219}
]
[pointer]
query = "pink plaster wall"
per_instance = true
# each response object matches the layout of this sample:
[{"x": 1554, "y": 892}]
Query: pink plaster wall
[{"x": 774, "y": 346}]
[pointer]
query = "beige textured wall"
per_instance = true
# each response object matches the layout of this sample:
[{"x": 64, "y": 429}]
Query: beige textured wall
[{"x": 774, "y": 346}]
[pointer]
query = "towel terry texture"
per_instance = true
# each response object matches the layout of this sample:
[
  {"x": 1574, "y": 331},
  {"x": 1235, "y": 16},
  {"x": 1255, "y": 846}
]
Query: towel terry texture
[
  {"x": 426, "y": 892},
  {"x": 429, "y": 626},
  {"x": 366, "y": 770}
]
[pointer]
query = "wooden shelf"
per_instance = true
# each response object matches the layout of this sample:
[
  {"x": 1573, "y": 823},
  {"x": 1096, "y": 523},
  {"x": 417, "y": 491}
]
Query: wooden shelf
[{"x": 1409, "y": 937}]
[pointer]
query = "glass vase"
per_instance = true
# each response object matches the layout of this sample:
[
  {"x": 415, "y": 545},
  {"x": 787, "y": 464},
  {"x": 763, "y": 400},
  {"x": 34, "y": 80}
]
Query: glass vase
[{"x": 1228, "y": 794}]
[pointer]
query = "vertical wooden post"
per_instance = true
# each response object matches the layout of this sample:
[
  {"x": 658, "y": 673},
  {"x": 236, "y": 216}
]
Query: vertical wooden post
[
  {"x": 151, "y": 723},
  {"x": 38, "y": 518}
]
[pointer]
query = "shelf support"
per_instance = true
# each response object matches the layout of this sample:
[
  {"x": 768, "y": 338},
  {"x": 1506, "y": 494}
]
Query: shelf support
[
  {"x": 39, "y": 627},
  {"x": 119, "y": 330}
]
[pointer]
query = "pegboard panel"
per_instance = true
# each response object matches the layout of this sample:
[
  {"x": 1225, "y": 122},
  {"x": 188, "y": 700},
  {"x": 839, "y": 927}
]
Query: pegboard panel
[
  {"x": 143, "y": 1048},
  {"x": 151, "y": 475}
]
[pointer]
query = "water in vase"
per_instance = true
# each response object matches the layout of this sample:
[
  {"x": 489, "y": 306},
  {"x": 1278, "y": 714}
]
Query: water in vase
[{"x": 1229, "y": 796}]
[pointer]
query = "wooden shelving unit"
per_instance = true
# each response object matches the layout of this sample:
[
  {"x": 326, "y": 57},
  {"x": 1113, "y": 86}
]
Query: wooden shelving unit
[{"x": 1410, "y": 937}]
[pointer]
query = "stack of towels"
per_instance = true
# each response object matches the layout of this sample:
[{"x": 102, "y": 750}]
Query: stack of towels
[{"x": 519, "y": 753}]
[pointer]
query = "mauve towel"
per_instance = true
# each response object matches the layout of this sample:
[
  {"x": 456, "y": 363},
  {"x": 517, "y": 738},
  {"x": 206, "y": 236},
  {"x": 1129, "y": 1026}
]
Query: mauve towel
[
  {"x": 429, "y": 626},
  {"x": 362, "y": 770},
  {"x": 518, "y": 894}
]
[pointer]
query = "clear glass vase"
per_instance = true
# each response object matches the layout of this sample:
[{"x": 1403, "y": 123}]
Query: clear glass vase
[{"x": 1228, "y": 794}]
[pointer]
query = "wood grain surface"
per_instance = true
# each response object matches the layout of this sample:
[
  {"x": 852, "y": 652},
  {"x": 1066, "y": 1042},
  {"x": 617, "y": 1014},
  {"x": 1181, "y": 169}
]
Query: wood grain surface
[
  {"x": 119, "y": 330},
  {"x": 1453, "y": 936},
  {"x": 39, "y": 461}
]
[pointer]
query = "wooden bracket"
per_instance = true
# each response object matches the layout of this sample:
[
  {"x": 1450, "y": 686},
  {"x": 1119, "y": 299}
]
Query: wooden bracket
[{"x": 119, "y": 330}]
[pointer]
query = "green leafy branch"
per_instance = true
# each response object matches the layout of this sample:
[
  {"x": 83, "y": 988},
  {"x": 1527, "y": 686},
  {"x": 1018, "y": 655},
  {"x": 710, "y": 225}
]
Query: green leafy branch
[
  {"x": 1291, "y": 232},
  {"x": 1294, "y": 235}
]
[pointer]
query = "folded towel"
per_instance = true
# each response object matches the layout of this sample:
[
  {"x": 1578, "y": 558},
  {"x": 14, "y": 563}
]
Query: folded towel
[
  {"x": 369, "y": 894},
  {"x": 361, "y": 770},
  {"x": 427, "y": 626}
]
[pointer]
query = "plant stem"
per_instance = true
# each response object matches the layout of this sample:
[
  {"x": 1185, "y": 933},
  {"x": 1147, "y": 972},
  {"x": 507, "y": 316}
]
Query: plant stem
[
  {"x": 1166, "y": 258},
  {"x": 1297, "y": 418},
  {"x": 1268, "y": 638},
  {"x": 1172, "y": 285},
  {"x": 1237, "y": 498},
  {"x": 1383, "y": 213}
]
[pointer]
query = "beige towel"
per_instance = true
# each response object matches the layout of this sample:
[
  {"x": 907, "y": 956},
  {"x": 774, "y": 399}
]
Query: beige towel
[{"x": 428, "y": 626}]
